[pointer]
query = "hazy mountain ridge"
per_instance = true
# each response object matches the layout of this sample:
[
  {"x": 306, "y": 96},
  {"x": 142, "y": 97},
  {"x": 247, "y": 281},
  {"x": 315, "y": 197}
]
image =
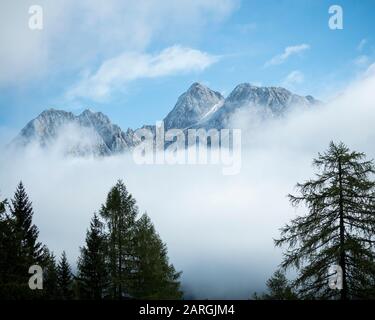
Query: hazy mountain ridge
[
  {"x": 266, "y": 101},
  {"x": 105, "y": 138},
  {"x": 198, "y": 107}
]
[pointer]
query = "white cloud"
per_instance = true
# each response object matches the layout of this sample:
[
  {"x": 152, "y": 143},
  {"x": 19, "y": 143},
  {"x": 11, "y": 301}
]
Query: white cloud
[
  {"x": 293, "y": 78},
  {"x": 362, "y": 61},
  {"x": 116, "y": 72},
  {"x": 77, "y": 33},
  {"x": 288, "y": 51},
  {"x": 361, "y": 44},
  {"x": 370, "y": 72},
  {"x": 219, "y": 229}
]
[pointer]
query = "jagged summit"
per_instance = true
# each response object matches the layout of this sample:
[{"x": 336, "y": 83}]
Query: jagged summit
[
  {"x": 267, "y": 101},
  {"x": 192, "y": 105},
  {"x": 199, "y": 107},
  {"x": 105, "y": 138}
]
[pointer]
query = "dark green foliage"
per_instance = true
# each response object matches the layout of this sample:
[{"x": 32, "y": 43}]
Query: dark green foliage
[
  {"x": 50, "y": 277},
  {"x": 6, "y": 250},
  {"x": 338, "y": 229},
  {"x": 120, "y": 212},
  {"x": 123, "y": 258},
  {"x": 92, "y": 273},
  {"x": 137, "y": 259},
  {"x": 279, "y": 288},
  {"x": 26, "y": 233},
  {"x": 155, "y": 278},
  {"x": 64, "y": 278},
  {"x": 19, "y": 247}
]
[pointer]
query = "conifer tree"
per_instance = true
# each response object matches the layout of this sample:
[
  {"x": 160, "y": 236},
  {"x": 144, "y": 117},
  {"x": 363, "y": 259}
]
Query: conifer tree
[
  {"x": 92, "y": 271},
  {"x": 29, "y": 250},
  {"x": 279, "y": 288},
  {"x": 64, "y": 278},
  {"x": 21, "y": 248},
  {"x": 155, "y": 278},
  {"x": 50, "y": 276},
  {"x": 6, "y": 250},
  {"x": 338, "y": 229},
  {"x": 119, "y": 213}
]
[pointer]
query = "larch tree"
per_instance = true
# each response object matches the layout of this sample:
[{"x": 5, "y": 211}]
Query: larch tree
[
  {"x": 119, "y": 213},
  {"x": 337, "y": 230}
]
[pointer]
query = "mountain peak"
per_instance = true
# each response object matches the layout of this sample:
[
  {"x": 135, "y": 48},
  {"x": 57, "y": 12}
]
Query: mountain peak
[
  {"x": 53, "y": 111},
  {"x": 198, "y": 107},
  {"x": 88, "y": 111},
  {"x": 192, "y": 106},
  {"x": 197, "y": 86},
  {"x": 102, "y": 136}
]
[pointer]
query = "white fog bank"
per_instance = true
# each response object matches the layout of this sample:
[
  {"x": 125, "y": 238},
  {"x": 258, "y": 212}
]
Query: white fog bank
[{"x": 219, "y": 229}]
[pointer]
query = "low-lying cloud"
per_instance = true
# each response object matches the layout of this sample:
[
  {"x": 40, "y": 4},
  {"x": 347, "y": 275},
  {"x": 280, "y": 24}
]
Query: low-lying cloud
[{"x": 219, "y": 229}]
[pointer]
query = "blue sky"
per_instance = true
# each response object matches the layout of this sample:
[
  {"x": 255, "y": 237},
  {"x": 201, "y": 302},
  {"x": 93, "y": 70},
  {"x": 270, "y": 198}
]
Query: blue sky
[{"x": 132, "y": 59}]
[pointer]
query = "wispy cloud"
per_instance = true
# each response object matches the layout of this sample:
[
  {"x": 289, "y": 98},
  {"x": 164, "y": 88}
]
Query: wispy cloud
[
  {"x": 362, "y": 61},
  {"x": 129, "y": 66},
  {"x": 288, "y": 51},
  {"x": 76, "y": 33},
  {"x": 361, "y": 44},
  {"x": 293, "y": 78}
]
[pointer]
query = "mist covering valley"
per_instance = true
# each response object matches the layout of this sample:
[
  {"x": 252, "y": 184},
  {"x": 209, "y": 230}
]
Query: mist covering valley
[{"x": 219, "y": 229}]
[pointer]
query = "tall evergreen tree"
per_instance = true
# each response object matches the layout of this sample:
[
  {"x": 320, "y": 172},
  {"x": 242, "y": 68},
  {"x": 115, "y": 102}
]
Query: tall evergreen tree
[
  {"x": 6, "y": 250},
  {"x": 339, "y": 228},
  {"x": 155, "y": 278},
  {"x": 119, "y": 213},
  {"x": 92, "y": 272},
  {"x": 50, "y": 276},
  {"x": 29, "y": 250},
  {"x": 279, "y": 288},
  {"x": 64, "y": 278},
  {"x": 20, "y": 248}
]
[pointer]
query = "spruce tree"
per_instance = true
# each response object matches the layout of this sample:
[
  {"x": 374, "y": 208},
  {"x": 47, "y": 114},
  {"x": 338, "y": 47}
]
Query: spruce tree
[
  {"x": 279, "y": 288},
  {"x": 92, "y": 271},
  {"x": 64, "y": 278},
  {"x": 338, "y": 229},
  {"x": 21, "y": 248},
  {"x": 119, "y": 213},
  {"x": 50, "y": 276},
  {"x": 7, "y": 257},
  {"x": 155, "y": 278},
  {"x": 29, "y": 250}
]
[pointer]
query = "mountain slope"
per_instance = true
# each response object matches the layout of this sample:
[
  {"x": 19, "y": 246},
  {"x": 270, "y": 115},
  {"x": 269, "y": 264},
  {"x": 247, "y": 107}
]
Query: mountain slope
[
  {"x": 265, "y": 101},
  {"x": 88, "y": 133},
  {"x": 192, "y": 106},
  {"x": 199, "y": 107}
]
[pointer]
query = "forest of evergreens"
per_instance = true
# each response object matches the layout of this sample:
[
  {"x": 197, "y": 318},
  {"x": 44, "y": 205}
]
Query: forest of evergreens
[{"x": 123, "y": 256}]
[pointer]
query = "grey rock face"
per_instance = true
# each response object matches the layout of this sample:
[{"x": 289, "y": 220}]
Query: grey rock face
[
  {"x": 192, "y": 106},
  {"x": 199, "y": 107},
  {"x": 269, "y": 102},
  {"x": 105, "y": 138}
]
